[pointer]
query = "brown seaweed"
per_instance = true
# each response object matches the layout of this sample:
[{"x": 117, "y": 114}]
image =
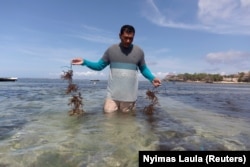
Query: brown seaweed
[
  {"x": 71, "y": 88},
  {"x": 76, "y": 104},
  {"x": 153, "y": 102},
  {"x": 67, "y": 75},
  {"x": 76, "y": 100}
]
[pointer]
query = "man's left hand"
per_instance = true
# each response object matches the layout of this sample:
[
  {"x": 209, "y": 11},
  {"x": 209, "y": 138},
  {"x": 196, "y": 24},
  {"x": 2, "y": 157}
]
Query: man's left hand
[{"x": 156, "y": 82}]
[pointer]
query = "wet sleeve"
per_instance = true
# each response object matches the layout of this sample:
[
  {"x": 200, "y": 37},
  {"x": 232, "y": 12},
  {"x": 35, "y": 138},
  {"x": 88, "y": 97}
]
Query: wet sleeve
[
  {"x": 146, "y": 73},
  {"x": 98, "y": 66}
]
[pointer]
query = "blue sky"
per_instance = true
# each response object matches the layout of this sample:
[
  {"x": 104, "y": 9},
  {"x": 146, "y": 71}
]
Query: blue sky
[{"x": 39, "y": 37}]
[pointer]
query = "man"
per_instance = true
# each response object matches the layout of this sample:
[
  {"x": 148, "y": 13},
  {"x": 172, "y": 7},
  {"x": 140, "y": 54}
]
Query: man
[{"x": 124, "y": 60}]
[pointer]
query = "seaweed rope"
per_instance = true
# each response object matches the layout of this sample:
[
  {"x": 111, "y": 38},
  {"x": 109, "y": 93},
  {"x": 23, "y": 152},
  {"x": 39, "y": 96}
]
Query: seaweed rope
[
  {"x": 153, "y": 101},
  {"x": 76, "y": 99}
]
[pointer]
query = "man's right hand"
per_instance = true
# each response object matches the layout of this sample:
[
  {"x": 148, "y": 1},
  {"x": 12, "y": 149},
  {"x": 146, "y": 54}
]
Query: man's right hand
[{"x": 77, "y": 61}]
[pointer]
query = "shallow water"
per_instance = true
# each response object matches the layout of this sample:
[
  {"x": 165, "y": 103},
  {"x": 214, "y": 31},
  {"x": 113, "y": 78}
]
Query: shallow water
[{"x": 35, "y": 129}]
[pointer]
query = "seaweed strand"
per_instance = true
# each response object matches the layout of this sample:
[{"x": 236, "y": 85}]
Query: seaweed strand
[
  {"x": 153, "y": 102},
  {"x": 76, "y": 99}
]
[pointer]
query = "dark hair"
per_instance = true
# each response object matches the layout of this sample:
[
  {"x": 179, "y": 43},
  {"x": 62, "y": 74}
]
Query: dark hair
[{"x": 127, "y": 28}]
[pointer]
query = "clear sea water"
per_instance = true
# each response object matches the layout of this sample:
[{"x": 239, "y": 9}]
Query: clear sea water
[{"x": 36, "y": 130}]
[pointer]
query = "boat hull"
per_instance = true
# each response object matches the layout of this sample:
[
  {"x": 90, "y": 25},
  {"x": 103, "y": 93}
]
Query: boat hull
[{"x": 8, "y": 79}]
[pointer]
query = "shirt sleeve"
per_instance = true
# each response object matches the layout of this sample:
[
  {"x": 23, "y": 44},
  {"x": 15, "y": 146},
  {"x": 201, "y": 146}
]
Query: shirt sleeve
[
  {"x": 97, "y": 66},
  {"x": 146, "y": 73}
]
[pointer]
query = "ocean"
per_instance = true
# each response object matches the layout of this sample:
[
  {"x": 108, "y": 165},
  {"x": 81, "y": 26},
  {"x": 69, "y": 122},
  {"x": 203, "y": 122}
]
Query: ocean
[{"x": 36, "y": 130}]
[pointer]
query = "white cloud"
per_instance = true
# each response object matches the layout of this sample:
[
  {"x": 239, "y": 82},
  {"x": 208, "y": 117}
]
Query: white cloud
[
  {"x": 89, "y": 73},
  {"x": 156, "y": 16},
  {"x": 220, "y": 16},
  {"x": 161, "y": 75},
  {"x": 225, "y": 16},
  {"x": 160, "y": 51},
  {"x": 229, "y": 57},
  {"x": 245, "y": 3},
  {"x": 95, "y": 34},
  {"x": 231, "y": 61},
  {"x": 96, "y": 38},
  {"x": 91, "y": 28},
  {"x": 210, "y": 11}
]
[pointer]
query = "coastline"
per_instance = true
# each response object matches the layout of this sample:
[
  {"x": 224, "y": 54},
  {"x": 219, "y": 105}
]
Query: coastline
[{"x": 219, "y": 82}]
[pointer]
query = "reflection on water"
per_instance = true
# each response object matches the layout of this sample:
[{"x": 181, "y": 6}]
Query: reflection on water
[{"x": 35, "y": 129}]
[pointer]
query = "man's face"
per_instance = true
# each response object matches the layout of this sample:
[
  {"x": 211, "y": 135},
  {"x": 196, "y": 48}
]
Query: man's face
[{"x": 126, "y": 38}]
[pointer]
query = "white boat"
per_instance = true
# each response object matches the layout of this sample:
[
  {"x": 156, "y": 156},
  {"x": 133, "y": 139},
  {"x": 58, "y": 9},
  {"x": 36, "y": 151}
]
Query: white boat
[{"x": 8, "y": 79}]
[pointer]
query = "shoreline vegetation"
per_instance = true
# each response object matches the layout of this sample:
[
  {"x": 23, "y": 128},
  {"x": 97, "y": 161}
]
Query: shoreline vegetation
[{"x": 242, "y": 77}]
